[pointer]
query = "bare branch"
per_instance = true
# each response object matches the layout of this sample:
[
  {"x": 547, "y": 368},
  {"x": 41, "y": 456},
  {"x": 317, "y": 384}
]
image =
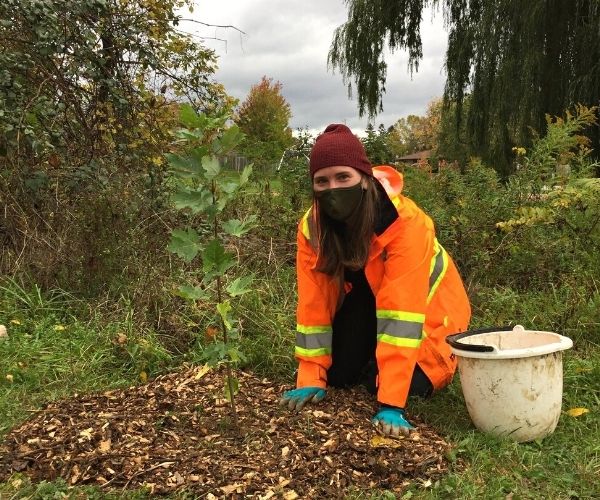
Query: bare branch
[
  {"x": 200, "y": 37},
  {"x": 211, "y": 25}
]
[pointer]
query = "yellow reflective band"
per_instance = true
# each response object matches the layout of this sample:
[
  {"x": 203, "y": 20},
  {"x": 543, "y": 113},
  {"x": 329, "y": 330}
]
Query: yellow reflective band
[
  {"x": 309, "y": 353},
  {"x": 306, "y": 223},
  {"x": 437, "y": 248},
  {"x": 399, "y": 342},
  {"x": 308, "y": 330},
  {"x": 401, "y": 315},
  {"x": 440, "y": 277},
  {"x": 305, "y": 230}
]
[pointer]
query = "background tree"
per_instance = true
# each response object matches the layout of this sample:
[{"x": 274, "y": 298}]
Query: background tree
[
  {"x": 264, "y": 118},
  {"x": 89, "y": 92},
  {"x": 376, "y": 145},
  {"x": 416, "y": 133},
  {"x": 518, "y": 61}
]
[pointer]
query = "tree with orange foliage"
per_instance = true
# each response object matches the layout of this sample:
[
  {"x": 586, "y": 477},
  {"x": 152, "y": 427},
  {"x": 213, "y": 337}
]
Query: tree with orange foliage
[
  {"x": 417, "y": 133},
  {"x": 264, "y": 118}
]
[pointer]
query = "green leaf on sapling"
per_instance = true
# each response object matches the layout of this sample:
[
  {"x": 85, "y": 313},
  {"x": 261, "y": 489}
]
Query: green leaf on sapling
[
  {"x": 245, "y": 175},
  {"x": 229, "y": 187},
  {"x": 224, "y": 308},
  {"x": 228, "y": 140},
  {"x": 189, "y": 135},
  {"x": 184, "y": 166},
  {"x": 190, "y": 292},
  {"x": 211, "y": 167},
  {"x": 177, "y": 162},
  {"x": 189, "y": 117},
  {"x": 216, "y": 259},
  {"x": 235, "y": 355},
  {"x": 185, "y": 244},
  {"x": 240, "y": 286},
  {"x": 235, "y": 227},
  {"x": 195, "y": 200}
]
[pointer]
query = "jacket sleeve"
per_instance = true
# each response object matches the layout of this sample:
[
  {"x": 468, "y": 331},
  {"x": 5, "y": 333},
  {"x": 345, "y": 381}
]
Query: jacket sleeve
[
  {"x": 401, "y": 304},
  {"x": 316, "y": 297}
]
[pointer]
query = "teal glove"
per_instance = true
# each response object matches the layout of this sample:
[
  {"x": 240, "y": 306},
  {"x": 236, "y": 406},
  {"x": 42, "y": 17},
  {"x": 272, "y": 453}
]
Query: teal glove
[
  {"x": 297, "y": 398},
  {"x": 392, "y": 422}
]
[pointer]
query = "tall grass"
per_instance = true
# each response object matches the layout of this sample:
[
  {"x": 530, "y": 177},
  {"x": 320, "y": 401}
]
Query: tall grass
[{"x": 50, "y": 353}]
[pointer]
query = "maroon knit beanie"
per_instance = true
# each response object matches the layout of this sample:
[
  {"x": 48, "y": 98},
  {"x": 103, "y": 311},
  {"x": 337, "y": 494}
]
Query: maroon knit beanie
[{"x": 338, "y": 146}]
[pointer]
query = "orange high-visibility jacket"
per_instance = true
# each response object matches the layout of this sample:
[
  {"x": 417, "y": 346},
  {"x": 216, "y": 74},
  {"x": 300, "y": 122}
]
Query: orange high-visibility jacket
[{"x": 420, "y": 299}]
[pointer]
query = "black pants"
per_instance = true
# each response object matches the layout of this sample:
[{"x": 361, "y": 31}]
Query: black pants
[{"x": 355, "y": 339}]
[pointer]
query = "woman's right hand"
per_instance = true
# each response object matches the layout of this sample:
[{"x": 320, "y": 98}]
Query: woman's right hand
[{"x": 297, "y": 398}]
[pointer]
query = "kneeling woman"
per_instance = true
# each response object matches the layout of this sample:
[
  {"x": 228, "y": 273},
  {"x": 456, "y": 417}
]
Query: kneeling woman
[{"x": 377, "y": 293}]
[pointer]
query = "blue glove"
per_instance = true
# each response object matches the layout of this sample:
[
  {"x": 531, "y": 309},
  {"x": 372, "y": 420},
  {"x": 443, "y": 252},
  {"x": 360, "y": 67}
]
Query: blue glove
[
  {"x": 392, "y": 422},
  {"x": 297, "y": 398}
]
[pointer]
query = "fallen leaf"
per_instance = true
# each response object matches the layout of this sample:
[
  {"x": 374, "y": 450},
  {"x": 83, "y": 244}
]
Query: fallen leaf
[
  {"x": 580, "y": 369},
  {"x": 15, "y": 322},
  {"x": 330, "y": 445},
  {"x": 58, "y": 328},
  {"x": 54, "y": 160},
  {"x": 384, "y": 442},
  {"x": 143, "y": 377},
  {"x": 577, "y": 412},
  {"x": 104, "y": 446},
  {"x": 211, "y": 332},
  {"x": 228, "y": 490},
  {"x": 87, "y": 433},
  {"x": 19, "y": 465},
  {"x": 202, "y": 371},
  {"x": 75, "y": 474},
  {"x": 10, "y": 378},
  {"x": 290, "y": 495},
  {"x": 165, "y": 465},
  {"x": 121, "y": 338},
  {"x": 285, "y": 451},
  {"x": 176, "y": 479}
]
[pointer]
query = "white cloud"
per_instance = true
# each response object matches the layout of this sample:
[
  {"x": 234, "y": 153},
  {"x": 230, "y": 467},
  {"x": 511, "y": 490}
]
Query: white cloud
[{"x": 289, "y": 42}]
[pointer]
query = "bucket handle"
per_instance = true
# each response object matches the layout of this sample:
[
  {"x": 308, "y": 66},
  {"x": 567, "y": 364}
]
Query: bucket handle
[{"x": 453, "y": 340}]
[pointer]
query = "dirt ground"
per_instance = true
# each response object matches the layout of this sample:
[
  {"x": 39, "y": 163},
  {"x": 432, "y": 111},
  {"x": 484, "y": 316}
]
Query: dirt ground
[{"x": 176, "y": 432}]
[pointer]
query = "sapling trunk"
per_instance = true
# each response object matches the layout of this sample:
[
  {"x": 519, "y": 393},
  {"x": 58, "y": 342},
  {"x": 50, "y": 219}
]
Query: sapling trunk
[{"x": 223, "y": 326}]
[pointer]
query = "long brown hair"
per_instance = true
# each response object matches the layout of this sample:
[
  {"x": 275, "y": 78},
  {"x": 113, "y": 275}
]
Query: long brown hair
[{"x": 346, "y": 244}]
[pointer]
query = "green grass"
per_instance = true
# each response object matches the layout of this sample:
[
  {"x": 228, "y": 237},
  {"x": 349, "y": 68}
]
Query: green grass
[{"x": 50, "y": 354}]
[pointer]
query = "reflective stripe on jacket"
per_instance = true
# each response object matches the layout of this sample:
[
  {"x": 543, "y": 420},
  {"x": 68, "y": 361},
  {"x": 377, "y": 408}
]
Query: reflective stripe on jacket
[{"x": 419, "y": 296}]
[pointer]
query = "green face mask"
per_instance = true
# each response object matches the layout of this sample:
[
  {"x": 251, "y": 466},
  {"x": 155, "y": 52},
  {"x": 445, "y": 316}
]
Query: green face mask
[{"x": 340, "y": 203}]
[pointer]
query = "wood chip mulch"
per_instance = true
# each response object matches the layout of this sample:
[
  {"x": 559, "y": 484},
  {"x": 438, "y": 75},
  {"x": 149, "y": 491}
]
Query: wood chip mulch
[{"x": 176, "y": 432}]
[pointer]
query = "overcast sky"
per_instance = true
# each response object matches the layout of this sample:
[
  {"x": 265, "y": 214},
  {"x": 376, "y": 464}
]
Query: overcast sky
[{"x": 289, "y": 41}]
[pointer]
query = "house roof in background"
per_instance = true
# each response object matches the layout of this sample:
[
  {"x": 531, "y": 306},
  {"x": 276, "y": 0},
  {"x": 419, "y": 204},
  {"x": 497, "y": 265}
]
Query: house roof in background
[{"x": 420, "y": 155}]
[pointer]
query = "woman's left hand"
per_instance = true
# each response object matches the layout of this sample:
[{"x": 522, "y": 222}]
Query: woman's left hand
[{"x": 392, "y": 422}]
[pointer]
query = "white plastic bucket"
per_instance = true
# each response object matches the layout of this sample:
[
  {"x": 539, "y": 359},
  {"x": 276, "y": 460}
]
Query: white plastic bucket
[{"x": 511, "y": 379}]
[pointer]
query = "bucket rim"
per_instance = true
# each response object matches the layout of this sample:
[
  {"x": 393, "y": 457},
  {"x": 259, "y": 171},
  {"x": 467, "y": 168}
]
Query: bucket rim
[{"x": 482, "y": 351}]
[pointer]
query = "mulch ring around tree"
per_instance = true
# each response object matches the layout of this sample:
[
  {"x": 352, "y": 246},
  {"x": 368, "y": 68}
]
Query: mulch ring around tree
[{"x": 176, "y": 432}]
